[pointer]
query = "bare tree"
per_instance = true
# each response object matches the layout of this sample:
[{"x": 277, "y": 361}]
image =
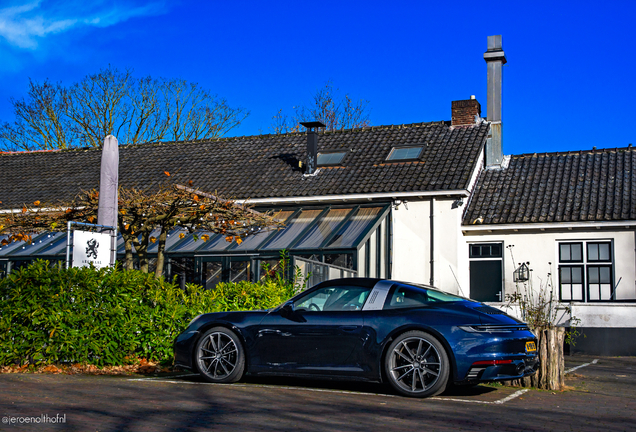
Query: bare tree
[
  {"x": 112, "y": 102},
  {"x": 144, "y": 217},
  {"x": 326, "y": 107}
]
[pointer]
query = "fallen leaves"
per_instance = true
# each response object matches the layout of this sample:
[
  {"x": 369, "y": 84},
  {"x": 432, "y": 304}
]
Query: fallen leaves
[{"x": 141, "y": 366}]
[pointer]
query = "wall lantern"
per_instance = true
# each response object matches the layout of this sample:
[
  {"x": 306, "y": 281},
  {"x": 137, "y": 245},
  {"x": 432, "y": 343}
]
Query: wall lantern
[{"x": 522, "y": 274}]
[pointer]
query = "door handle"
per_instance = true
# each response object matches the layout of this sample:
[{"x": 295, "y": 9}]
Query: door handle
[{"x": 348, "y": 328}]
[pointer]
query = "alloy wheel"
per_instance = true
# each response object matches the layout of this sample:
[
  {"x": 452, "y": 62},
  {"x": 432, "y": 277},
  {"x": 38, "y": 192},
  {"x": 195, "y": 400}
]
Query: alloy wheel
[
  {"x": 415, "y": 365},
  {"x": 218, "y": 356}
]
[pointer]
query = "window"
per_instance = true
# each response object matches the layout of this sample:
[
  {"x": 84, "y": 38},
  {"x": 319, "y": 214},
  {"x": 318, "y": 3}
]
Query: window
[
  {"x": 406, "y": 296},
  {"x": 486, "y": 250},
  {"x": 486, "y": 271},
  {"x": 405, "y": 153},
  {"x": 571, "y": 279},
  {"x": 571, "y": 252},
  {"x": 585, "y": 271},
  {"x": 334, "y": 158},
  {"x": 334, "y": 298}
]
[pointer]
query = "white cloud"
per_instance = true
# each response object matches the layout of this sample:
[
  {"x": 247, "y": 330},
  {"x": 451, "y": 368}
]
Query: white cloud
[{"x": 24, "y": 24}]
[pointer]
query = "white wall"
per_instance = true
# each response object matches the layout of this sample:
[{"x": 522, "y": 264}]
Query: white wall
[
  {"x": 605, "y": 315},
  {"x": 540, "y": 249},
  {"x": 412, "y": 242}
]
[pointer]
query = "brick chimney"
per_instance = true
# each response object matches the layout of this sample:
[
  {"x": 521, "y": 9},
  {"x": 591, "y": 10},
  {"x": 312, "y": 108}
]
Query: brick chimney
[{"x": 464, "y": 111}]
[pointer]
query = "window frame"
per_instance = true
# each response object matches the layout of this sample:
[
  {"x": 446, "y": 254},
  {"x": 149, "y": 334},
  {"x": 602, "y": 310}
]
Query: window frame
[
  {"x": 582, "y": 269},
  {"x": 330, "y": 152},
  {"x": 583, "y": 251},
  {"x": 585, "y": 264},
  {"x": 394, "y": 148}
]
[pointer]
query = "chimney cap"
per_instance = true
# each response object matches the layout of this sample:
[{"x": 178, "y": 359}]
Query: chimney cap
[
  {"x": 495, "y": 50},
  {"x": 494, "y": 43},
  {"x": 313, "y": 124}
]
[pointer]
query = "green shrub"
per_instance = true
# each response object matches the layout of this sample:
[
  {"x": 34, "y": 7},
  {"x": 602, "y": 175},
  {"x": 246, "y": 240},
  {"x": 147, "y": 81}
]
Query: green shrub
[{"x": 109, "y": 316}]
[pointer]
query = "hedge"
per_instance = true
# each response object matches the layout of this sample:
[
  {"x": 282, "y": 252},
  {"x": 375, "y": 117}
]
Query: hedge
[{"x": 110, "y": 316}]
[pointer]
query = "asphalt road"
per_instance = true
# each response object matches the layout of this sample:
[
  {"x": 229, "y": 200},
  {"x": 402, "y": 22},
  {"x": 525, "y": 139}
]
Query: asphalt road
[{"x": 601, "y": 397}]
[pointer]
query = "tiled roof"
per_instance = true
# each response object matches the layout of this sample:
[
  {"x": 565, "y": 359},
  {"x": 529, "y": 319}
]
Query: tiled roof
[
  {"x": 595, "y": 185},
  {"x": 259, "y": 166}
]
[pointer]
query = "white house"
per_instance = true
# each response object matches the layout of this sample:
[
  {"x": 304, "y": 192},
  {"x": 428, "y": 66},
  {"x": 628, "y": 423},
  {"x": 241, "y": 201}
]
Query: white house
[{"x": 435, "y": 203}]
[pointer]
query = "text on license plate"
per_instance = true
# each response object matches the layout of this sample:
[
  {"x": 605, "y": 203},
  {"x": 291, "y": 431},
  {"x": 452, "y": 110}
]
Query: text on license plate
[{"x": 531, "y": 347}]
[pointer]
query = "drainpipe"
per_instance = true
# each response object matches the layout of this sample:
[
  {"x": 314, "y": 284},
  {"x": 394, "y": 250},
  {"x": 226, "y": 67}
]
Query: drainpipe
[{"x": 432, "y": 237}]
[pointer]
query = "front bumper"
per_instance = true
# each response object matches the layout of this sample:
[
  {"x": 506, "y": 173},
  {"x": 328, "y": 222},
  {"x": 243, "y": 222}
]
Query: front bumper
[{"x": 183, "y": 348}]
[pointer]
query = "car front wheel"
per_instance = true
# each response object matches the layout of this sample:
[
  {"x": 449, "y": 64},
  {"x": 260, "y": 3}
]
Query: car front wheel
[
  {"x": 219, "y": 356},
  {"x": 417, "y": 365}
]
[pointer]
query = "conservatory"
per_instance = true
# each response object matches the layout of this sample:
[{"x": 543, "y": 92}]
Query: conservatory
[{"x": 324, "y": 242}]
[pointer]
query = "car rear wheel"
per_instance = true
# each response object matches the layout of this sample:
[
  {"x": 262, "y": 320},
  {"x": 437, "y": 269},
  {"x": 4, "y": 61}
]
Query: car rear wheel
[
  {"x": 219, "y": 356},
  {"x": 416, "y": 365}
]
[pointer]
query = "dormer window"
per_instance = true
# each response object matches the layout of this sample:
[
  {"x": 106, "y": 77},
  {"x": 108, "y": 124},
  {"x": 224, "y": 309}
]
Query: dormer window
[
  {"x": 405, "y": 153},
  {"x": 330, "y": 158}
]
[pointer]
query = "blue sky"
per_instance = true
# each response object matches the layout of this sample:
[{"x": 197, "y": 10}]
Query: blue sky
[{"x": 568, "y": 84}]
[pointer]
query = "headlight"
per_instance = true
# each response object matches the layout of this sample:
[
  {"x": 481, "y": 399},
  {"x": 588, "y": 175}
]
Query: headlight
[{"x": 194, "y": 319}]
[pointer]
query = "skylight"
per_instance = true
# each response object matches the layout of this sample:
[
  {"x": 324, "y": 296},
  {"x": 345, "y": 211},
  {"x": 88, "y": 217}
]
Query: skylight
[
  {"x": 404, "y": 153},
  {"x": 332, "y": 158}
]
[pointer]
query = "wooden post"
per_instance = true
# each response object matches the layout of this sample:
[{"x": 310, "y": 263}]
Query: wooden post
[{"x": 551, "y": 372}]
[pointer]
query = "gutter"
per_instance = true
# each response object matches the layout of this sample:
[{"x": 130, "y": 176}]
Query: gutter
[
  {"x": 548, "y": 225},
  {"x": 355, "y": 197}
]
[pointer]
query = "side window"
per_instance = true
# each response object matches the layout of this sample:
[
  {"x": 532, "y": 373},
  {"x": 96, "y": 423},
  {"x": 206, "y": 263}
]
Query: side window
[
  {"x": 405, "y": 297},
  {"x": 334, "y": 298},
  {"x": 586, "y": 271}
]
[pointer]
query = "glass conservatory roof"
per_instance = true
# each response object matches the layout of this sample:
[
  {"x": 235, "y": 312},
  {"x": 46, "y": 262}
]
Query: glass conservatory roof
[{"x": 341, "y": 227}]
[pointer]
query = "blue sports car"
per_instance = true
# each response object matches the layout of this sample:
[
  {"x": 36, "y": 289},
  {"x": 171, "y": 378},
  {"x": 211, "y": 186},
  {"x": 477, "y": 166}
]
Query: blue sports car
[{"x": 417, "y": 338}]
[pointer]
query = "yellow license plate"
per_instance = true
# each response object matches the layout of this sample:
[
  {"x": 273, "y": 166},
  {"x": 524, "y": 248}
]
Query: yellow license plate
[{"x": 531, "y": 347}]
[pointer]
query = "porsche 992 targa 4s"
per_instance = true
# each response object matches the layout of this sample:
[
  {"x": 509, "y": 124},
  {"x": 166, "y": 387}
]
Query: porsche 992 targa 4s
[{"x": 417, "y": 338}]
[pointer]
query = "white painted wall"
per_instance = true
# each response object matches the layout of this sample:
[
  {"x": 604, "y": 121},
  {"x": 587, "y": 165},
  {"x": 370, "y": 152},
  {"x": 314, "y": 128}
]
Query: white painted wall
[
  {"x": 540, "y": 249},
  {"x": 605, "y": 315},
  {"x": 411, "y": 242},
  {"x": 411, "y": 258}
]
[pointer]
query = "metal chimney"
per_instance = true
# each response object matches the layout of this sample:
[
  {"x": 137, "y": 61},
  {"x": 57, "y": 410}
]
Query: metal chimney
[
  {"x": 312, "y": 145},
  {"x": 495, "y": 59}
]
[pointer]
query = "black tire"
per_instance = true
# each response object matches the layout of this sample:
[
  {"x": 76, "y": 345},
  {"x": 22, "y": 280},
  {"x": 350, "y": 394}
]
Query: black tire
[
  {"x": 219, "y": 356},
  {"x": 417, "y": 365}
]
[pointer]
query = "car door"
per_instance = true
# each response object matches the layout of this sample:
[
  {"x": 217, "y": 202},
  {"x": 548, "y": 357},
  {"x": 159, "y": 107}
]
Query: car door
[{"x": 318, "y": 336}]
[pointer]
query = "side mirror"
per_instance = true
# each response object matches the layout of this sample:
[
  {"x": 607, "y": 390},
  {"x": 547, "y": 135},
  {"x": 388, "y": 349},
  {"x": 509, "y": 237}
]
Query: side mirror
[{"x": 287, "y": 309}]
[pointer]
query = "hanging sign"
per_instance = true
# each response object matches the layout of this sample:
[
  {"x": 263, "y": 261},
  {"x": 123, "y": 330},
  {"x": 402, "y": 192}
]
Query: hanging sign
[{"x": 91, "y": 248}]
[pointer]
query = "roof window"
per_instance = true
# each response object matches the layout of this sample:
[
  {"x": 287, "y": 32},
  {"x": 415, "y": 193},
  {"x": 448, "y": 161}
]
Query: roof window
[
  {"x": 405, "y": 153},
  {"x": 331, "y": 158}
]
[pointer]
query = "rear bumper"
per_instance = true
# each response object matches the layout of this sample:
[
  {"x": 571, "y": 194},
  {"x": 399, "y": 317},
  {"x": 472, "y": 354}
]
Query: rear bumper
[{"x": 502, "y": 372}]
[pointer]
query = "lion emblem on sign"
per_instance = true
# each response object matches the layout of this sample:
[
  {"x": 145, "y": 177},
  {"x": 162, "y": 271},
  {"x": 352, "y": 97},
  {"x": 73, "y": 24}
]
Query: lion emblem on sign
[{"x": 91, "y": 248}]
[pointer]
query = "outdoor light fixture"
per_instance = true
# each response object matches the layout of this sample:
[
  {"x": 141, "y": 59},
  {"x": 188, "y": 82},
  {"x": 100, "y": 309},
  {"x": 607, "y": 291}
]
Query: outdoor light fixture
[{"x": 521, "y": 274}]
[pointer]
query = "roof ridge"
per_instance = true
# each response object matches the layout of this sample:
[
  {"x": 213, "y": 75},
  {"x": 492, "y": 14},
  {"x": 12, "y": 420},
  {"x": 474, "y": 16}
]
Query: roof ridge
[
  {"x": 246, "y": 137},
  {"x": 576, "y": 152}
]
